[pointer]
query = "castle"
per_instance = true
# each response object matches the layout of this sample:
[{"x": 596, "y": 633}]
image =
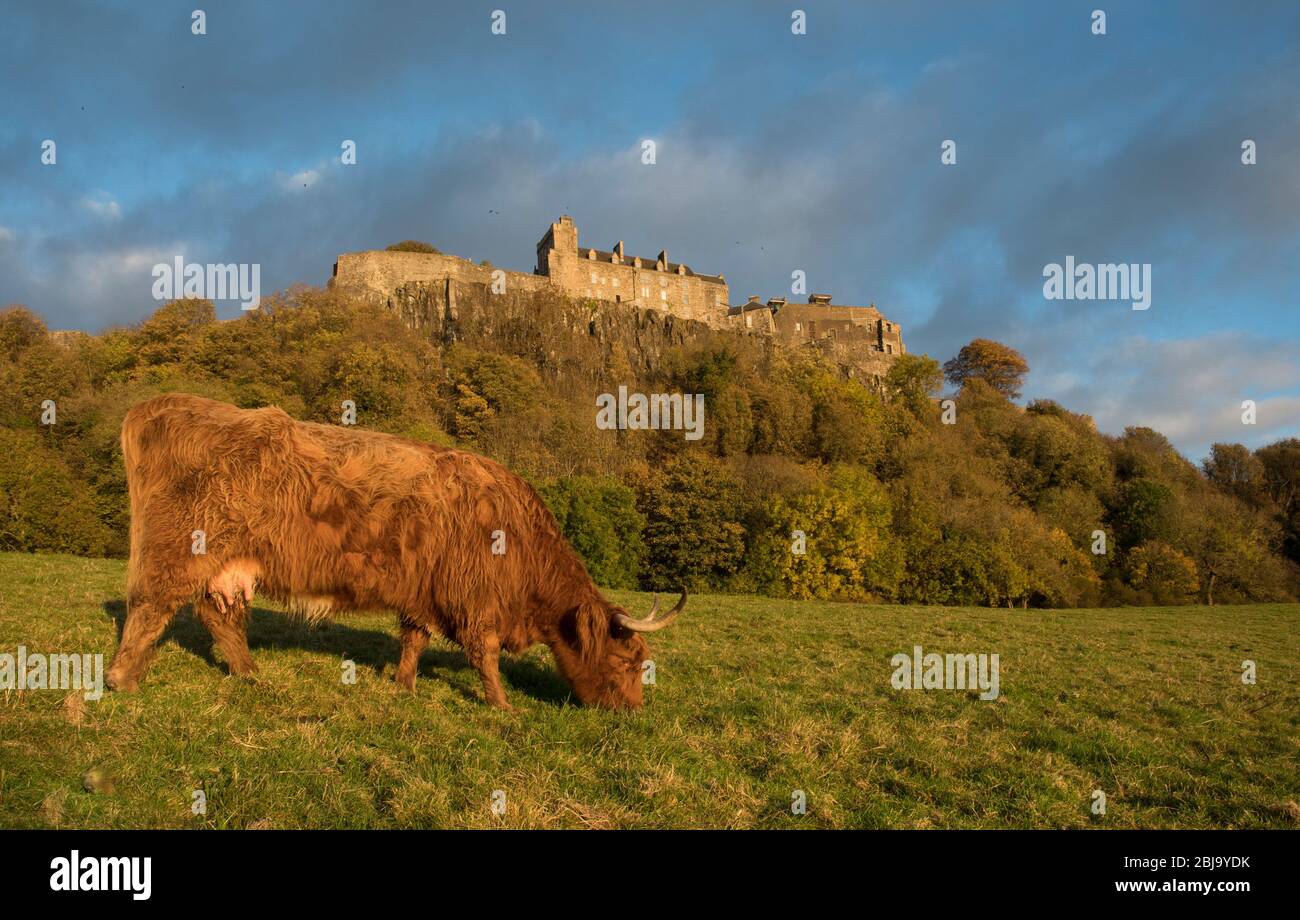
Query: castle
[{"x": 857, "y": 336}]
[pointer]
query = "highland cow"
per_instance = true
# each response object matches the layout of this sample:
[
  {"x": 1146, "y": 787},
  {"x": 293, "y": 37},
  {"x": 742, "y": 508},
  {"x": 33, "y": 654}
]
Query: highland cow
[{"x": 328, "y": 519}]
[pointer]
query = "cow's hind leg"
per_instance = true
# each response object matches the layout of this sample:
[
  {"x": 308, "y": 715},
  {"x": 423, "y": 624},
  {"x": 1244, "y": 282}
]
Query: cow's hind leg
[
  {"x": 146, "y": 618},
  {"x": 415, "y": 639},
  {"x": 483, "y": 650},
  {"x": 229, "y": 631}
]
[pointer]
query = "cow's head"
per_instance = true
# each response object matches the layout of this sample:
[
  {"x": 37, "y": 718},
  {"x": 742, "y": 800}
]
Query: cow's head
[{"x": 601, "y": 650}]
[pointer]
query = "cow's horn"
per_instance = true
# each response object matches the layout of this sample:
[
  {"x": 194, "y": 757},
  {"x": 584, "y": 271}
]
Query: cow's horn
[{"x": 650, "y": 624}]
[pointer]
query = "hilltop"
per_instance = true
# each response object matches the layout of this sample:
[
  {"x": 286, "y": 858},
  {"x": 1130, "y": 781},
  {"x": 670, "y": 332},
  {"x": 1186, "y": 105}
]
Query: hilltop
[{"x": 808, "y": 482}]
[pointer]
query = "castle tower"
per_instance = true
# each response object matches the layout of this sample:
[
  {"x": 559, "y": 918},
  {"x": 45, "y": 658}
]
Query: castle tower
[{"x": 561, "y": 237}]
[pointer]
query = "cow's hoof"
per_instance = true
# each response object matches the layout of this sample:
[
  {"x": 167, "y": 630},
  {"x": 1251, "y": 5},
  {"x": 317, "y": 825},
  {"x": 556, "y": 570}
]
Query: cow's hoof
[{"x": 120, "y": 682}]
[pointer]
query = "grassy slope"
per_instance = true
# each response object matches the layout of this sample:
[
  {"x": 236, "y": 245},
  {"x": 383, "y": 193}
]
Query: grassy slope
[{"x": 755, "y": 698}]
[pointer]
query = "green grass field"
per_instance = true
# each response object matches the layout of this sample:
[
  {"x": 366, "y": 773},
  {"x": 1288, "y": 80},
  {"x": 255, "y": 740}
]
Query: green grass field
[{"x": 755, "y": 698}]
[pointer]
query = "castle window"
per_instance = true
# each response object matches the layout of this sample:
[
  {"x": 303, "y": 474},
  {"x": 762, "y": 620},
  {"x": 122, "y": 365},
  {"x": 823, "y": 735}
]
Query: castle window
[
  {"x": 798, "y": 327},
  {"x": 615, "y": 282},
  {"x": 663, "y": 295},
  {"x": 593, "y": 277},
  {"x": 749, "y": 321}
]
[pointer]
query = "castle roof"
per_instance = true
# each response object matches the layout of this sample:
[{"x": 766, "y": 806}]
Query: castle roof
[
  {"x": 752, "y": 304},
  {"x": 606, "y": 256}
]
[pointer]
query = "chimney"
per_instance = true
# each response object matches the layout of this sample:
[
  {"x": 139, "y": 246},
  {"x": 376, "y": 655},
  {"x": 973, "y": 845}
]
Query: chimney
[
  {"x": 776, "y": 303},
  {"x": 663, "y": 260},
  {"x": 618, "y": 252},
  {"x": 819, "y": 298}
]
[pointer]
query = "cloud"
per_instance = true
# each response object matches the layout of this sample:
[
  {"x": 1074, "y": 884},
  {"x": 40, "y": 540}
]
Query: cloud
[
  {"x": 1191, "y": 389},
  {"x": 102, "y": 205},
  {"x": 303, "y": 179}
]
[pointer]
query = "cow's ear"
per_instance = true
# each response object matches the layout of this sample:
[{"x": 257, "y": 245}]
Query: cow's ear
[
  {"x": 569, "y": 628},
  {"x": 584, "y": 628}
]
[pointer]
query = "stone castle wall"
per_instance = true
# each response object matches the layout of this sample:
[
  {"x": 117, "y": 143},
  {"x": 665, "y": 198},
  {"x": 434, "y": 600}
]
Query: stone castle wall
[{"x": 381, "y": 272}]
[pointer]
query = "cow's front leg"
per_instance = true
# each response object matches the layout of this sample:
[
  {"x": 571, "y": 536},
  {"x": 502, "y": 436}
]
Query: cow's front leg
[
  {"x": 146, "y": 619},
  {"x": 415, "y": 639},
  {"x": 483, "y": 651},
  {"x": 229, "y": 630}
]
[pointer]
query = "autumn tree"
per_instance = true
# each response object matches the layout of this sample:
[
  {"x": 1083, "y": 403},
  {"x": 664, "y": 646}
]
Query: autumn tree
[
  {"x": 20, "y": 328},
  {"x": 998, "y": 365},
  {"x": 1236, "y": 471},
  {"x": 832, "y": 541},
  {"x": 1281, "y": 464},
  {"x": 693, "y": 534},
  {"x": 914, "y": 380}
]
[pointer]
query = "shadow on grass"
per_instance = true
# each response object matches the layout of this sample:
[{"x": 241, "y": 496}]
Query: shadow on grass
[{"x": 270, "y": 629}]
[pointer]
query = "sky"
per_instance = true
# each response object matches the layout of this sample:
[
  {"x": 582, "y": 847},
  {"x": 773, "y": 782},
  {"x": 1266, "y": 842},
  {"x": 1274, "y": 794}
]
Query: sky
[{"x": 775, "y": 152}]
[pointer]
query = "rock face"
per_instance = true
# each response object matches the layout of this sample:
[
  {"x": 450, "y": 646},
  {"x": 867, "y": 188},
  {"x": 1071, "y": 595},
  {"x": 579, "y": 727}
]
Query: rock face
[{"x": 551, "y": 330}]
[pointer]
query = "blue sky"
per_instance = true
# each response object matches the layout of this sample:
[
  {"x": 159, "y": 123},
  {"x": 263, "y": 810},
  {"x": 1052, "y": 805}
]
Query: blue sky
[{"x": 776, "y": 152}]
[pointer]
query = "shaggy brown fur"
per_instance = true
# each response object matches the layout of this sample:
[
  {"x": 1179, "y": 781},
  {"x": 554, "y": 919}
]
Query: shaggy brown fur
[{"x": 329, "y": 518}]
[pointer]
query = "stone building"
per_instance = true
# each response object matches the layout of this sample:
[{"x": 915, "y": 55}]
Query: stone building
[
  {"x": 614, "y": 275},
  {"x": 854, "y": 336},
  {"x": 819, "y": 320}
]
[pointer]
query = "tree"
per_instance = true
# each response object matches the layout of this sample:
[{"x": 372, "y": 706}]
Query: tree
[
  {"x": 169, "y": 334},
  {"x": 43, "y": 505},
  {"x": 832, "y": 541},
  {"x": 693, "y": 534},
  {"x": 1165, "y": 575},
  {"x": 599, "y": 518},
  {"x": 914, "y": 380},
  {"x": 1236, "y": 471},
  {"x": 1143, "y": 510},
  {"x": 846, "y": 421},
  {"x": 20, "y": 328},
  {"x": 1000, "y": 366},
  {"x": 1281, "y": 463},
  {"x": 1229, "y": 548}
]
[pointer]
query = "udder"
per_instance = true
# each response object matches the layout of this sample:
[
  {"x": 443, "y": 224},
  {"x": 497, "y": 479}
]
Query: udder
[{"x": 232, "y": 588}]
